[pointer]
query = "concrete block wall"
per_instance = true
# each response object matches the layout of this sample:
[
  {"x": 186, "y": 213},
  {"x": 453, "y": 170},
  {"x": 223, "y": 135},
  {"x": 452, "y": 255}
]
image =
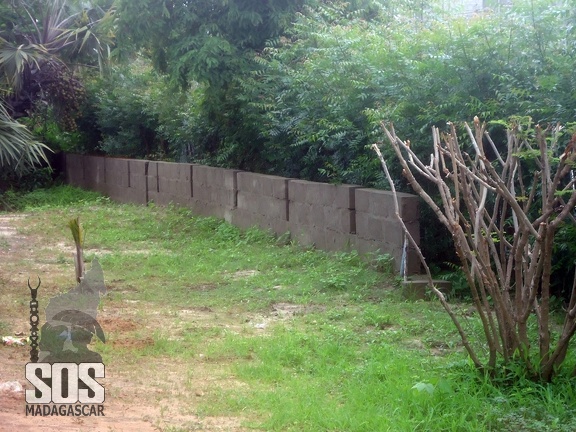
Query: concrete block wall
[
  {"x": 117, "y": 178},
  {"x": 95, "y": 173},
  {"x": 330, "y": 217},
  {"x": 214, "y": 191},
  {"x": 169, "y": 182},
  {"x": 75, "y": 170},
  {"x": 322, "y": 214},
  {"x": 261, "y": 200},
  {"x": 136, "y": 193},
  {"x": 377, "y": 227}
]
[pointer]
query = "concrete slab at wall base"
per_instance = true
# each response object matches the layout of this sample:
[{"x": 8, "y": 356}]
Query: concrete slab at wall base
[
  {"x": 419, "y": 289},
  {"x": 329, "y": 217}
]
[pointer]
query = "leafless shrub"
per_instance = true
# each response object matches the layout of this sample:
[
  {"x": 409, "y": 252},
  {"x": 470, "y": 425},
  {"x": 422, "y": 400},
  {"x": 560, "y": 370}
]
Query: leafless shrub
[{"x": 503, "y": 228}]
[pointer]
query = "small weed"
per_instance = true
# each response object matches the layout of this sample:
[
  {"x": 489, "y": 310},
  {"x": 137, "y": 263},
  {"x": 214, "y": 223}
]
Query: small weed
[
  {"x": 61, "y": 259},
  {"x": 383, "y": 263},
  {"x": 455, "y": 275}
]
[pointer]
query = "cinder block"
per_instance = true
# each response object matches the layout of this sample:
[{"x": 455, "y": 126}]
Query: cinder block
[
  {"x": 337, "y": 241},
  {"x": 346, "y": 196},
  {"x": 253, "y": 184},
  {"x": 95, "y": 173},
  {"x": 272, "y": 208},
  {"x": 167, "y": 169},
  {"x": 137, "y": 174},
  {"x": 321, "y": 194},
  {"x": 308, "y": 236},
  {"x": 368, "y": 226},
  {"x": 300, "y": 214},
  {"x": 297, "y": 190},
  {"x": 222, "y": 178},
  {"x": 224, "y": 197},
  {"x": 339, "y": 219},
  {"x": 117, "y": 172},
  {"x": 392, "y": 232},
  {"x": 203, "y": 208},
  {"x": 75, "y": 170},
  {"x": 316, "y": 215},
  {"x": 280, "y": 188},
  {"x": 376, "y": 202},
  {"x": 134, "y": 196},
  {"x": 279, "y": 227},
  {"x": 242, "y": 218},
  {"x": 152, "y": 177}
]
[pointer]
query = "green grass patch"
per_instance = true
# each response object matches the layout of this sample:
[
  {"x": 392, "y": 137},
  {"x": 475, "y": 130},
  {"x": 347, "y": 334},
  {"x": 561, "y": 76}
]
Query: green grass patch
[{"x": 351, "y": 354}]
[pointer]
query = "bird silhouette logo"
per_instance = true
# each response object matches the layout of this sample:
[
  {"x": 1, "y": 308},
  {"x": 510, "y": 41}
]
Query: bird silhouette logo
[{"x": 71, "y": 322}]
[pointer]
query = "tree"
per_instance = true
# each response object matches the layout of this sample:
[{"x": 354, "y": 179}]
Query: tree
[
  {"x": 39, "y": 51},
  {"x": 18, "y": 149},
  {"x": 211, "y": 42},
  {"x": 504, "y": 212},
  {"x": 204, "y": 40},
  {"x": 37, "y": 38}
]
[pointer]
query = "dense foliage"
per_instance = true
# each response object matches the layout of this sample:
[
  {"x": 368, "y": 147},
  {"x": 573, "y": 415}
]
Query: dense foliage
[
  {"x": 41, "y": 45},
  {"x": 305, "y": 99},
  {"x": 289, "y": 87},
  {"x": 298, "y": 87}
]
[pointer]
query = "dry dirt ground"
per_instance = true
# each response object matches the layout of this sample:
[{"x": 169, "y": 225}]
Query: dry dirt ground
[{"x": 149, "y": 394}]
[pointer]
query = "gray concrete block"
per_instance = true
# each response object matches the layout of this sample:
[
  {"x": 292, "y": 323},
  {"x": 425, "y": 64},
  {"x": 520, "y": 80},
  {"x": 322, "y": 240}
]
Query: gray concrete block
[
  {"x": 220, "y": 177},
  {"x": 336, "y": 241},
  {"x": 117, "y": 172},
  {"x": 368, "y": 226},
  {"x": 137, "y": 176},
  {"x": 322, "y": 194},
  {"x": 308, "y": 236},
  {"x": 75, "y": 170},
  {"x": 300, "y": 214},
  {"x": 346, "y": 196},
  {"x": 152, "y": 177},
  {"x": 133, "y": 196},
  {"x": 297, "y": 190},
  {"x": 95, "y": 173},
  {"x": 167, "y": 169},
  {"x": 243, "y": 218},
  {"x": 339, "y": 219},
  {"x": 376, "y": 202}
]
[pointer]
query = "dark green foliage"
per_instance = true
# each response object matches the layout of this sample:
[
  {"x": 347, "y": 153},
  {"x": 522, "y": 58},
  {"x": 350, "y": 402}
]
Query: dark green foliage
[
  {"x": 205, "y": 40},
  {"x": 298, "y": 88},
  {"x": 124, "y": 115}
]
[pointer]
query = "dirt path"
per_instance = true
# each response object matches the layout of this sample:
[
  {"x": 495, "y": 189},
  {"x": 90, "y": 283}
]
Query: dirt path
[{"x": 152, "y": 394}]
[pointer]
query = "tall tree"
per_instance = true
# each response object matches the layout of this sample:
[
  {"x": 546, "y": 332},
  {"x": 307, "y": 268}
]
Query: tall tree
[
  {"x": 40, "y": 46},
  {"x": 212, "y": 42},
  {"x": 202, "y": 40},
  {"x": 39, "y": 41}
]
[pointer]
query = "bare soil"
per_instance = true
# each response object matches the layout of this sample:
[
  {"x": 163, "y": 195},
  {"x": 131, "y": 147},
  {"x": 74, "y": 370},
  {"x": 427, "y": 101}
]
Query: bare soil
[{"x": 151, "y": 393}]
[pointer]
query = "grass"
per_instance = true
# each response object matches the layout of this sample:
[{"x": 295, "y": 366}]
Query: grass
[{"x": 351, "y": 356}]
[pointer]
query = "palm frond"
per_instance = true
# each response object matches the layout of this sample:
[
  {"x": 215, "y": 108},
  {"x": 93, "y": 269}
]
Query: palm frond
[
  {"x": 15, "y": 59},
  {"x": 18, "y": 148}
]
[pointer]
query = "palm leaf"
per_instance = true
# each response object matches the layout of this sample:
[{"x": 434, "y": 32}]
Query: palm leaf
[
  {"x": 14, "y": 60},
  {"x": 18, "y": 148}
]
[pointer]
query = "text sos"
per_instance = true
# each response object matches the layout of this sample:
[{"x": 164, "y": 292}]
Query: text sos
[{"x": 70, "y": 383}]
